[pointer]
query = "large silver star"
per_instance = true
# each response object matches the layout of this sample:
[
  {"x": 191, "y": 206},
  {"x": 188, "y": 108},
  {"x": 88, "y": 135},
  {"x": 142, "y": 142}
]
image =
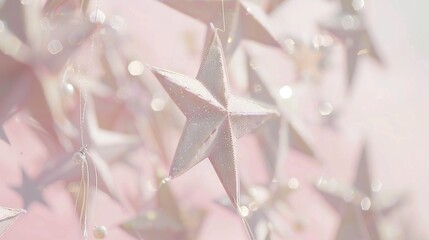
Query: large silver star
[{"x": 215, "y": 119}]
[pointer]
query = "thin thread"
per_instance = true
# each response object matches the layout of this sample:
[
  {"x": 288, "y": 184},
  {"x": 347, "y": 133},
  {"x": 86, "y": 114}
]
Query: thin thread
[
  {"x": 248, "y": 229},
  {"x": 223, "y": 18},
  {"x": 85, "y": 179},
  {"x": 96, "y": 189}
]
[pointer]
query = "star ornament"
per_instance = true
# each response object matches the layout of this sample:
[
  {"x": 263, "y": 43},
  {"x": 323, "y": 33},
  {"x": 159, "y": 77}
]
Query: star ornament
[
  {"x": 30, "y": 191},
  {"x": 167, "y": 221},
  {"x": 359, "y": 208},
  {"x": 7, "y": 217},
  {"x": 215, "y": 119},
  {"x": 351, "y": 31},
  {"x": 278, "y": 131},
  {"x": 239, "y": 20}
]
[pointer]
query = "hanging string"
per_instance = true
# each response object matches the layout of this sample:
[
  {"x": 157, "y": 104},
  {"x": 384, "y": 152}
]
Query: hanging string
[
  {"x": 83, "y": 154},
  {"x": 223, "y": 17}
]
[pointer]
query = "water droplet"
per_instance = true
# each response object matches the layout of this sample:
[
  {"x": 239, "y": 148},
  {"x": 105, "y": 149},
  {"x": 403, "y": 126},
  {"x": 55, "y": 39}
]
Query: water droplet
[
  {"x": 326, "y": 108},
  {"x": 157, "y": 104},
  {"x": 349, "y": 22},
  {"x": 358, "y": 4},
  {"x": 55, "y": 46},
  {"x": 99, "y": 232},
  {"x": 151, "y": 215},
  {"x": 79, "y": 158},
  {"x": 293, "y": 183},
  {"x": 45, "y": 24},
  {"x": 376, "y": 186},
  {"x": 13, "y": 46},
  {"x": 68, "y": 88},
  {"x": 73, "y": 187},
  {"x": 348, "y": 195},
  {"x": 117, "y": 22},
  {"x": 321, "y": 182},
  {"x": 152, "y": 186},
  {"x": 365, "y": 204},
  {"x": 97, "y": 16},
  {"x": 165, "y": 180},
  {"x": 286, "y": 92},
  {"x": 322, "y": 40},
  {"x": 135, "y": 68},
  {"x": 248, "y": 11},
  {"x": 253, "y": 206},
  {"x": 26, "y": 2},
  {"x": 290, "y": 45},
  {"x": 244, "y": 211},
  {"x": 363, "y": 52}
]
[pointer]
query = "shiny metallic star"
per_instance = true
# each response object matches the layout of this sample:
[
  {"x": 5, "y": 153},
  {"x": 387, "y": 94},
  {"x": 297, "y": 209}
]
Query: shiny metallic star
[
  {"x": 215, "y": 119},
  {"x": 243, "y": 20}
]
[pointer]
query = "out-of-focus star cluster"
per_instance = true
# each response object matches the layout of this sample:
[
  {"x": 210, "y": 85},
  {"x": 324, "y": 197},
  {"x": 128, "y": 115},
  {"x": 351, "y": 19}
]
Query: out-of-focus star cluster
[{"x": 211, "y": 119}]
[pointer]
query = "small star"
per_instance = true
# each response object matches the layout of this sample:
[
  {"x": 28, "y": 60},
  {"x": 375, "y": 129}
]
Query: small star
[
  {"x": 168, "y": 221},
  {"x": 356, "y": 204},
  {"x": 30, "y": 191}
]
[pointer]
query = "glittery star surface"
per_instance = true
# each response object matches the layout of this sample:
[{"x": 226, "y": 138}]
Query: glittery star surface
[
  {"x": 8, "y": 217},
  {"x": 215, "y": 118}
]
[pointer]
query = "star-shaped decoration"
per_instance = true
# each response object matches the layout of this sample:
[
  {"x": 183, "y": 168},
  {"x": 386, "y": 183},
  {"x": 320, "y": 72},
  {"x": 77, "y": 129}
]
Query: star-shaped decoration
[
  {"x": 239, "y": 19},
  {"x": 168, "y": 221},
  {"x": 104, "y": 148},
  {"x": 308, "y": 58},
  {"x": 33, "y": 52},
  {"x": 261, "y": 208},
  {"x": 30, "y": 191},
  {"x": 349, "y": 27},
  {"x": 7, "y": 217},
  {"x": 277, "y": 131},
  {"x": 215, "y": 119},
  {"x": 357, "y": 205}
]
